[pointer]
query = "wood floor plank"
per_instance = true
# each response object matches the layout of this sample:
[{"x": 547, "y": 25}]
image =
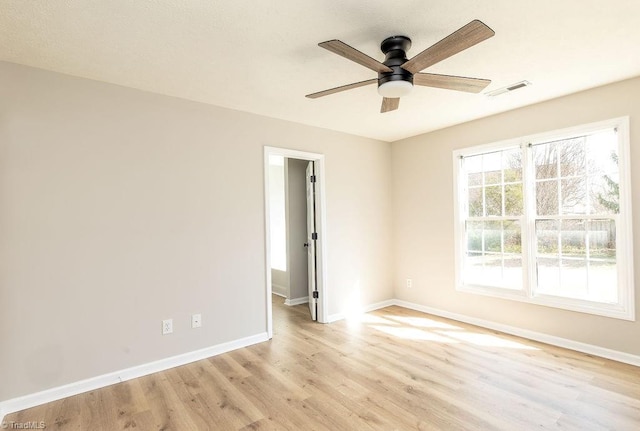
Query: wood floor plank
[
  {"x": 168, "y": 412},
  {"x": 225, "y": 403},
  {"x": 65, "y": 414},
  {"x": 394, "y": 369}
]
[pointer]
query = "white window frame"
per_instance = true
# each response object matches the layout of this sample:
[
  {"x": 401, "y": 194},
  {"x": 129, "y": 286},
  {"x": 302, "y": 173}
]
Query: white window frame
[{"x": 625, "y": 308}]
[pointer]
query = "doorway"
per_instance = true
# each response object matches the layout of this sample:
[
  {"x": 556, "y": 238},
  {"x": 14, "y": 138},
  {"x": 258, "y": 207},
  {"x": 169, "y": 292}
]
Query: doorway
[{"x": 307, "y": 242}]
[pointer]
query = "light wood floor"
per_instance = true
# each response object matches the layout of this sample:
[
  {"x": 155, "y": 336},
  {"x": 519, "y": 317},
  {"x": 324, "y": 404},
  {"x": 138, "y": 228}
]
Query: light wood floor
[{"x": 395, "y": 370}]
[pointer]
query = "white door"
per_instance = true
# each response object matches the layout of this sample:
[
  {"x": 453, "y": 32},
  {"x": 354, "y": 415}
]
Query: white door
[{"x": 311, "y": 239}]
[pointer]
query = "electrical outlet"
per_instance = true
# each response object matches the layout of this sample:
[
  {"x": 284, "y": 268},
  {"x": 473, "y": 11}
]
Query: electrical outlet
[
  {"x": 409, "y": 283},
  {"x": 196, "y": 320},
  {"x": 167, "y": 326}
]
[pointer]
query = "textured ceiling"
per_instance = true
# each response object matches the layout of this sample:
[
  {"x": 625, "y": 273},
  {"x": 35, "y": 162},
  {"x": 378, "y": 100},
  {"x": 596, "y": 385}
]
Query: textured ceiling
[{"x": 262, "y": 56}]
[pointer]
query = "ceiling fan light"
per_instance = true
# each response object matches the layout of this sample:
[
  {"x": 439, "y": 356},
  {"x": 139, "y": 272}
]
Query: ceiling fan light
[{"x": 393, "y": 89}]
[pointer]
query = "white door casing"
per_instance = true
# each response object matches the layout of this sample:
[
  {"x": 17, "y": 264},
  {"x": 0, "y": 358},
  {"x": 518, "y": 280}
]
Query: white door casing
[
  {"x": 321, "y": 229},
  {"x": 311, "y": 239}
]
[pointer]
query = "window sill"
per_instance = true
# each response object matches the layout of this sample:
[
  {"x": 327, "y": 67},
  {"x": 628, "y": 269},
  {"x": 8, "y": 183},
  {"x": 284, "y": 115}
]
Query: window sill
[{"x": 614, "y": 311}]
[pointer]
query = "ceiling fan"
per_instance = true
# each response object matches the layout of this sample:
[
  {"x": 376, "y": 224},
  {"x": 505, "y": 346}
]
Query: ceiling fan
[{"x": 397, "y": 75}]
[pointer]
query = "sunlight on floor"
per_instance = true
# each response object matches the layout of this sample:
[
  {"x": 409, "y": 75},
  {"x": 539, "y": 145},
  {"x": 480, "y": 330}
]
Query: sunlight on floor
[
  {"x": 413, "y": 334},
  {"x": 487, "y": 340},
  {"x": 425, "y": 329},
  {"x": 421, "y": 322},
  {"x": 373, "y": 319},
  {"x": 422, "y": 328}
]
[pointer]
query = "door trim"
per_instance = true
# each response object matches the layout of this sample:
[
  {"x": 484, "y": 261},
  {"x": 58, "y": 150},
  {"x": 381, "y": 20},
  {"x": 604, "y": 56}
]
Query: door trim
[{"x": 321, "y": 228}]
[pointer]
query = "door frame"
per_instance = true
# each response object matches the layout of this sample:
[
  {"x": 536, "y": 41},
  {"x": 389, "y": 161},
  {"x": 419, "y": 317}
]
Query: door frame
[{"x": 321, "y": 228}]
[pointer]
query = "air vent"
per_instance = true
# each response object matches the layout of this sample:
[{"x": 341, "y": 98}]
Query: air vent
[{"x": 509, "y": 88}]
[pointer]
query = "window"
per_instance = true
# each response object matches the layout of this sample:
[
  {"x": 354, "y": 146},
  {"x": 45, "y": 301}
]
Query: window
[{"x": 546, "y": 219}]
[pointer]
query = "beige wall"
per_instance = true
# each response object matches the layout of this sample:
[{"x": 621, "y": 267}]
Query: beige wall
[
  {"x": 280, "y": 282},
  {"x": 122, "y": 208},
  {"x": 423, "y": 214}
]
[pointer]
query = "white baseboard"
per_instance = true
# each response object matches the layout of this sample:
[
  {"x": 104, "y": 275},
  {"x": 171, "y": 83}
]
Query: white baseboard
[
  {"x": 27, "y": 401},
  {"x": 296, "y": 301},
  {"x": 367, "y": 308},
  {"x": 590, "y": 349},
  {"x": 53, "y": 394}
]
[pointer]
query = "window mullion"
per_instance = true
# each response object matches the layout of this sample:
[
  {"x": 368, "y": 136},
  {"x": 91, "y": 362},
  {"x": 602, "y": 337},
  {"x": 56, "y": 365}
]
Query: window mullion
[
  {"x": 587, "y": 243},
  {"x": 529, "y": 197},
  {"x": 502, "y": 249}
]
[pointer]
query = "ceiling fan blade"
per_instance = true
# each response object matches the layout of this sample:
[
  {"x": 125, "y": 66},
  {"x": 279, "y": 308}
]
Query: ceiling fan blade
[
  {"x": 341, "y": 88},
  {"x": 471, "y": 34},
  {"x": 389, "y": 104},
  {"x": 341, "y": 48},
  {"x": 460, "y": 83}
]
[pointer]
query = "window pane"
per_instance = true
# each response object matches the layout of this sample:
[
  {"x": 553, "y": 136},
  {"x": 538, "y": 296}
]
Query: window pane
[
  {"x": 604, "y": 178},
  {"x": 547, "y": 197},
  {"x": 512, "y": 273},
  {"x": 588, "y": 265},
  {"x": 492, "y": 177},
  {"x": 493, "y": 270},
  {"x": 475, "y": 178},
  {"x": 494, "y": 183},
  {"x": 602, "y": 239},
  {"x": 473, "y": 167},
  {"x": 496, "y": 265},
  {"x": 548, "y": 270},
  {"x": 492, "y": 274},
  {"x": 513, "y": 199},
  {"x": 475, "y": 202},
  {"x": 476, "y": 268},
  {"x": 547, "y": 234},
  {"x": 493, "y": 200},
  {"x": 492, "y": 166},
  {"x": 603, "y": 274},
  {"x": 573, "y": 279},
  {"x": 512, "y": 237},
  {"x": 604, "y": 194},
  {"x": 493, "y": 236},
  {"x": 603, "y": 282},
  {"x": 474, "y": 235},
  {"x": 602, "y": 152},
  {"x": 573, "y": 237},
  {"x": 545, "y": 160},
  {"x": 572, "y": 157},
  {"x": 573, "y": 192},
  {"x": 473, "y": 268},
  {"x": 512, "y": 165}
]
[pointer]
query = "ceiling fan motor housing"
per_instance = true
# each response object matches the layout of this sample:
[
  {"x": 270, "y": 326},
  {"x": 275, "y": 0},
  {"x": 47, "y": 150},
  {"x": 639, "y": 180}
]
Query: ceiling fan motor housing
[{"x": 395, "y": 49}]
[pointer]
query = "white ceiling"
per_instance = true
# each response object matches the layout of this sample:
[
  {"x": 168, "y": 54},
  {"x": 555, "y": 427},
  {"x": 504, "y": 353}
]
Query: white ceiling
[{"x": 262, "y": 56}]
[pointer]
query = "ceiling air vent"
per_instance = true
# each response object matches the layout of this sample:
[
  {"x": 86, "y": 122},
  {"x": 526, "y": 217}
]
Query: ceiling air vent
[{"x": 511, "y": 87}]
